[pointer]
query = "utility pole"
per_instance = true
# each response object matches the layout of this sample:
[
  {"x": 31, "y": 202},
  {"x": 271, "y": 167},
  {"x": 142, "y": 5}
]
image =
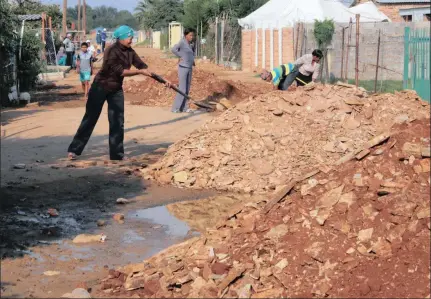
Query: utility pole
[
  {"x": 64, "y": 17},
  {"x": 84, "y": 17},
  {"x": 357, "y": 52},
  {"x": 79, "y": 15}
]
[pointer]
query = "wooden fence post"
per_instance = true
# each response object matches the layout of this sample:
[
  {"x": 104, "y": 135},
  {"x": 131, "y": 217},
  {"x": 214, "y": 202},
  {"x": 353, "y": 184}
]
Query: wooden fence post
[
  {"x": 377, "y": 63},
  {"x": 357, "y": 52}
]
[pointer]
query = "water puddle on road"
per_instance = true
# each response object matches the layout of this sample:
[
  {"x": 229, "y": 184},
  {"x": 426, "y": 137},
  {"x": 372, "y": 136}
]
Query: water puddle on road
[{"x": 145, "y": 232}]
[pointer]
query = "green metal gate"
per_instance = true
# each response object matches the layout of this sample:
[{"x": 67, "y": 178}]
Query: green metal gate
[{"x": 417, "y": 61}]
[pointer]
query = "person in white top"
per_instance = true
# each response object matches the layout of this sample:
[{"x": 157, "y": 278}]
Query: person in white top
[
  {"x": 91, "y": 48},
  {"x": 306, "y": 70}
]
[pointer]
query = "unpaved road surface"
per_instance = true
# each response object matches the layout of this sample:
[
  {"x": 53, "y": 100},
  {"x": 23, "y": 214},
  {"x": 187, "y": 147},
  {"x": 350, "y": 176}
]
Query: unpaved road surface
[{"x": 82, "y": 192}]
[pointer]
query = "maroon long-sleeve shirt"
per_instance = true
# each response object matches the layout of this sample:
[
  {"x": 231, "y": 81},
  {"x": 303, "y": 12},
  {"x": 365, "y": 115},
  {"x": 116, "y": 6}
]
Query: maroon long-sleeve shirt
[{"x": 117, "y": 58}]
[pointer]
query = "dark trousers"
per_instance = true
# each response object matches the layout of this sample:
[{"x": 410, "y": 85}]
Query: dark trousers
[
  {"x": 103, "y": 46},
  {"x": 69, "y": 58},
  {"x": 96, "y": 98}
]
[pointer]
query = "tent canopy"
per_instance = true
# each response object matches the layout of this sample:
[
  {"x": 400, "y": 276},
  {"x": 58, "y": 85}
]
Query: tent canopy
[
  {"x": 369, "y": 10},
  {"x": 287, "y": 12}
]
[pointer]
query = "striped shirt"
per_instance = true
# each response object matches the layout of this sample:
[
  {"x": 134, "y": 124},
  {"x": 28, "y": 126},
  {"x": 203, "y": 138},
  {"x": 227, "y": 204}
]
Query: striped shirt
[{"x": 280, "y": 72}]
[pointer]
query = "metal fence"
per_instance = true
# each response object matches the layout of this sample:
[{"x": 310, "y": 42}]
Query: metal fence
[{"x": 417, "y": 61}]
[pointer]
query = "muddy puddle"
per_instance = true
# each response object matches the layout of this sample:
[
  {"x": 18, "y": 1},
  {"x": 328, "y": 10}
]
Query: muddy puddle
[{"x": 53, "y": 265}]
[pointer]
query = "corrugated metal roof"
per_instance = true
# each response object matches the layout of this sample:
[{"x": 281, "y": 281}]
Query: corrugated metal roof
[
  {"x": 403, "y": 1},
  {"x": 29, "y": 17}
]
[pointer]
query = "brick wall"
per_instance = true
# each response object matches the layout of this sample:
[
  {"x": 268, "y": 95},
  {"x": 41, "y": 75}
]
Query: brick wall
[
  {"x": 248, "y": 50},
  {"x": 392, "y": 10}
]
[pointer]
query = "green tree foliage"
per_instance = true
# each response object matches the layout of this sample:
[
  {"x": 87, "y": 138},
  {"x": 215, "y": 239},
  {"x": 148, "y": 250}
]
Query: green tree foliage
[
  {"x": 8, "y": 39},
  {"x": 206, "y": 10},
  {"x": 323, "y": 32},
  {"x": 157, "y": 14},
  {"x": 23, "y": 7},
  {"x": 103, "y": 16},
  {"x": 30, "y": 64}
]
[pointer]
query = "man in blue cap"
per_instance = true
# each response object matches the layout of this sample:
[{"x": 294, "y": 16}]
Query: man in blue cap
[{"x": 107, "y": 85}]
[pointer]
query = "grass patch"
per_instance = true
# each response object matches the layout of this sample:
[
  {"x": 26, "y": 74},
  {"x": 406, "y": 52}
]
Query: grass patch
[{"x": 386, "y": 86}]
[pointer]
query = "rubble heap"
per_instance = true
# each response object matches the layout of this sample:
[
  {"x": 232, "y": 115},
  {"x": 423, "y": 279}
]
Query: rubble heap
[
  {"x": 205, "y": 86},
  {"x": 361, "y": 230},
  {"x": 266, "y": 141}
]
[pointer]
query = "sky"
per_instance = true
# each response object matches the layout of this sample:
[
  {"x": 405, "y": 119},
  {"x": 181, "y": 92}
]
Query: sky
[{"x": 119, "y": 4}]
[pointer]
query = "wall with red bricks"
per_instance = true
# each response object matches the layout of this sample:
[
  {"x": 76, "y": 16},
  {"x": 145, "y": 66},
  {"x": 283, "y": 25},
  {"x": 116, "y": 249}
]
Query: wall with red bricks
[
  {"x": 392, "y": 10},
  {"x": 248, "y": 50}
]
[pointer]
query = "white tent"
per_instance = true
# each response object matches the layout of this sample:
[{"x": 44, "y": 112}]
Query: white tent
[
  {"x": 287, "y": 12},
  {"x": 369, "y": 10}
]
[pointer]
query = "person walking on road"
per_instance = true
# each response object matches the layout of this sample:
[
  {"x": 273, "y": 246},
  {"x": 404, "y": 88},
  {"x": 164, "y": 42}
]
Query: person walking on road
[
  {"x": 84, "y": 67},
  {"x": 107, "y": 85},
  {"x": 91, "y": 48},
  {"x": 103, "y": 39},
  {"x": 70, "y": 49},
  {"x": 305, "y": 70},
  {"x": 184, "y": 51}
]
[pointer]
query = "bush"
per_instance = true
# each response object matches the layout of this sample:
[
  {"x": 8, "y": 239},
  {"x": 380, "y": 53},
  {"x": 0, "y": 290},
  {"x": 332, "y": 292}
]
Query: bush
[
  {"x": 8, "y": 39},
  {"x": 30, "y": 64}
]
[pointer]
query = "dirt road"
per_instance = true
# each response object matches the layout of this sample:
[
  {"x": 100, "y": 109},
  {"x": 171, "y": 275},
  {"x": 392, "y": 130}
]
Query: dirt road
[
  {"x": 36, "y": 176},
  {"x": 82, "y": 192}
]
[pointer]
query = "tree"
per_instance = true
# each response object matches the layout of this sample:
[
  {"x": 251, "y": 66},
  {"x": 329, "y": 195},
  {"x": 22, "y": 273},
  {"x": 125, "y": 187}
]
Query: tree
[
  {"x": 23, "y": 7},
  {"x": 104, "y": 16},
  {"x": 323, "y": 33},
  {"x": 8, "y": 42},
  {"x": 157, "y": 14}
]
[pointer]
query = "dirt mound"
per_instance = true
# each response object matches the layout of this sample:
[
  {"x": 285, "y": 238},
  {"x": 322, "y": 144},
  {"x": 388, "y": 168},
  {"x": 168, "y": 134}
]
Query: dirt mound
[
  {"x": 265, "y": 142},
  {"x": 205, "y": 86},
  {"x": 362, "y": 230}
]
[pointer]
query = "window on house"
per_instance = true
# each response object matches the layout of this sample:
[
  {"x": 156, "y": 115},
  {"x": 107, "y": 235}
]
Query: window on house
[
  {"x": 408, "y": 18},
  {"x": 427, "y": 17}
]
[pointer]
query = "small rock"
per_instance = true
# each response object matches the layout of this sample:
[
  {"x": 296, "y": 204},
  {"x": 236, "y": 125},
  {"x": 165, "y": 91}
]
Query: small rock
[
  {"x": 425, "y": 152},
  {"x": 281, "y": 265},
  {"x": 402, "y": 118},
  {"x": 77, "y": 293},
  {"x": 277, "y": 112},
  {"x": 412, "y": 149},
  {"x": 119, "y": 218},
  {"x": 87, "y": 238},
  {"x": 262, "y": 167},
  {"x": 365, "y": 234},
  {"x": 53, "y": 212},
  {"x": 122, "y": 201},
  {"x": 19, "y": 166},
  {"x": 101, "y": 222},
  {"x": 180, "y": 177},
  {"x": 277, "y": 232},
  {"x": 51, "y": 273},
  {"x": 351, "y": 250},
  {"x": 220, "y": 107},
  {"x": 425, "y": 164}
]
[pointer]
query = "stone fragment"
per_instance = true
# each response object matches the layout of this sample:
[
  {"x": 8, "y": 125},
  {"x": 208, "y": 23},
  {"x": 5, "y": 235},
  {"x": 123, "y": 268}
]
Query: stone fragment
[
  {"x": 277, "y": 232},
  {"x": 365, "y": 235},
  {"x": 180, "y": 177}
]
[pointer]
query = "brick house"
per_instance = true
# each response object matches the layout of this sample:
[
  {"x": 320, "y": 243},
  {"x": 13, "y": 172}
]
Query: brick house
[{"x": 404, "y": 10}]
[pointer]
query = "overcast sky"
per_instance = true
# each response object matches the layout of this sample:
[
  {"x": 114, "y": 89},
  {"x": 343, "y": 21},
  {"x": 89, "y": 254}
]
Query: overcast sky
[{"x": 119, "y": 4}]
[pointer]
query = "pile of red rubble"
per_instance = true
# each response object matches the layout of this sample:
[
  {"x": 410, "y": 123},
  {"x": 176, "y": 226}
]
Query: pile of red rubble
[
  {"x": 205, "y": 86},
  {"x": 263, "y": 142},
  {"x": 360, "y": 230}
]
